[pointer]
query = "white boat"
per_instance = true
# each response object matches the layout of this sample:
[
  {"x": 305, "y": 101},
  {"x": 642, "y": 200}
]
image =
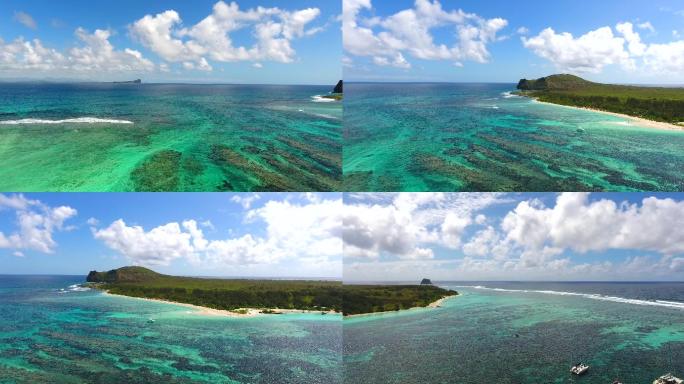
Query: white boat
[
  {"x": 579, "y": 369},
  {"x": 668, "y": 379}
]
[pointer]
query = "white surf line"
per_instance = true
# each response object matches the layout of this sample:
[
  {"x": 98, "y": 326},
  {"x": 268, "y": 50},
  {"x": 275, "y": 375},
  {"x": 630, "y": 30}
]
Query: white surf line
[
  {"x": 78, "y": 120},
  {"x": 321, "y": 99},
  {"x": 593, "y": 296}
]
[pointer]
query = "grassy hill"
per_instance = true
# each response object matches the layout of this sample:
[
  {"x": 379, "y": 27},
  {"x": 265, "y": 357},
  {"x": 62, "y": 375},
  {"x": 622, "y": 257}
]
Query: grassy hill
[
  {"x": 125, "y": 274},
  {"x": 358, "y": 299},
  {"x": 653, "y": 103},
  {"x": 228, "y": 294}
]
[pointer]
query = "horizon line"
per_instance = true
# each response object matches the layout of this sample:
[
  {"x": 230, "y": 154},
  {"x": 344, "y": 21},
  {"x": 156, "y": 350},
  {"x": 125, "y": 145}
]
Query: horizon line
[
  {"x": 326, "y": 278},
  {"x": 66, "y": 82}
]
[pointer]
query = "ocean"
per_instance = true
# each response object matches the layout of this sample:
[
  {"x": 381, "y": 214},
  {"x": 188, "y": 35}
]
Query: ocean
[
  {"x": 480, "y": 137},
  {"x": 52, "y": 331},
  {"x": 523, "y": 333},
  {"x": 168, "y": 137}
]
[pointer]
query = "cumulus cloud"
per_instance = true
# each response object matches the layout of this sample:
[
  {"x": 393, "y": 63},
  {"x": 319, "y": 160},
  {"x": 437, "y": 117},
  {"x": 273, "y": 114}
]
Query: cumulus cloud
[
  {"x": 582, "y": 225},
  {"x": 35, "y": 224},
  {"x": 408, "y": 32},
  {"x": 407, "y": 225},
  {"x": 310, "y": 230},
  {"x": 273, "y": 30},
  {"x": 593, "y": 51},
  {"x": 590, "y": 52},
  {"x": 445, "y": 235},
  {"x": 94, "y": 55},
  {"x": 25, "y": 19}
]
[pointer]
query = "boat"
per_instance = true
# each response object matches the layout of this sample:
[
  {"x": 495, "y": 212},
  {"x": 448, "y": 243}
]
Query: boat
[
  {"x": 668, "y": 379},
  {"x": 150, "y": 320},
  {"x": 579, "y": 369}
]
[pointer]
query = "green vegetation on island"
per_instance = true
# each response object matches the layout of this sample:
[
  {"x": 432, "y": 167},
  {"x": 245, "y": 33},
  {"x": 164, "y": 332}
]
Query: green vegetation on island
[
  {"x": 223, "y": 294},
  {"x": 361, "y": 299},
  {"x": 652, "y": 103}
]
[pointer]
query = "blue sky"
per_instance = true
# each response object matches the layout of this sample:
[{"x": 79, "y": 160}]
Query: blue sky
[
  {"x": 261, "y": 235},
  {"x": 657, "y": 57},
  {"x": 527, "y": 236},
  {"x": 310, "y": 55}
]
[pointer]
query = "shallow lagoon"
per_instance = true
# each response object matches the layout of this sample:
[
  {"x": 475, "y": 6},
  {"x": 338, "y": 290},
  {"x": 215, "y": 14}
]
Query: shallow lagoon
[
  {"x": 77, "y": 337},
  {"x": 169, "y": 137},
  {"x": 479, "y": 137}
]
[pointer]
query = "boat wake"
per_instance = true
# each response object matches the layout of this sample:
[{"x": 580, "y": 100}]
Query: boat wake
[
  {"x": 73, "y": 288},
  {"x": 593, "y": 296},
  {"x": 78, "y": 120}
]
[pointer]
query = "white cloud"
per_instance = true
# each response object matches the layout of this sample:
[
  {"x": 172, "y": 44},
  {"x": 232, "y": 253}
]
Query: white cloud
[
  {"x": 93, "y": 222},
  {"x": 273, "y": 30},
  {"x": 590, "y": 52},
  {"x": 35, "y": 222},
  {"x": 158, "y": 246},
  {"x": 25, "y": 19},
  {"x": 595, "y": 50},
  {"x": 245, "y": 200},
  {"x": 647, "y": 26},
  {"x": 431, "y": 236},
  {"x": 95, "y": 55},
  {"x": 522, "y": 31},
  {"x": 665, "y": 58},
  {"x": 18, "y": 254},
  {"x": 407, "y": 225},
  {"x": 578, "y": 224},
  {"x": 257, "y": 65},
  {"x": 310, "y": 230},
  {"x": 386, "y": 40}
]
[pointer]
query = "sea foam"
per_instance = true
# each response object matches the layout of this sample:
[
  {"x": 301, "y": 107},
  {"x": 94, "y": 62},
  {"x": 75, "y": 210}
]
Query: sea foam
[
  {"x": 593, "y": 296},
  {"x": 321, "y": 99},
  {"x": 73, "y": 288},
  {"x": 78, "y": 120}
]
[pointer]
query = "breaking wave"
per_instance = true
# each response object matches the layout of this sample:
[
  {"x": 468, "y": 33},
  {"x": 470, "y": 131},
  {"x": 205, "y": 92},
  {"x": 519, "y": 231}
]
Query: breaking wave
[
  {"x": 78, "y": 120},
  {"x": 73, "y": 288},
  {"x": 593, "y": 296},
  {"x": 321, "y": 99}
]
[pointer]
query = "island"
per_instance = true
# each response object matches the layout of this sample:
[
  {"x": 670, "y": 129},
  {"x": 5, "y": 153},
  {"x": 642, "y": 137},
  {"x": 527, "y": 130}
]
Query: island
[
  {"x": 136, "y": 81},
  {"x": 659, "y": 104},
  {"x": 233, "y": 296},
  {"x": 366, "y": 299},
  {"x": 337, "y": 93}
]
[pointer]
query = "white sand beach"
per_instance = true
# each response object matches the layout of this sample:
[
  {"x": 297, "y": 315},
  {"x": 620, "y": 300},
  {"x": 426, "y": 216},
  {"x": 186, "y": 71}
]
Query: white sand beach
[
  {"x": 631, "y": 120},
  {"x": 434, "y": 304},
  {"x": 243, "y": 312}
]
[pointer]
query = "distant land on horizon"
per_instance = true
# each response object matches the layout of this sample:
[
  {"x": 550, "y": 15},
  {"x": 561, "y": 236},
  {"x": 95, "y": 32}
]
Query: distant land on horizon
[{"x": 142, "y": 81}]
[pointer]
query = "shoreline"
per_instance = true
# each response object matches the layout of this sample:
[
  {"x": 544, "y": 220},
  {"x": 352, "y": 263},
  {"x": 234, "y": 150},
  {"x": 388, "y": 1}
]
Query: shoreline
[
  {"x": 206, "y": 311},
  {"x": 641, "y": 122},
  {"x": 433, "y": 305}
]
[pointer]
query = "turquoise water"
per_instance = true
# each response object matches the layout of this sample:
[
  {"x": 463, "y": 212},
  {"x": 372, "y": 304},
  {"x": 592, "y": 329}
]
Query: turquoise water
[
  {"x": 168, "y": 137},
  {"x": 479, "y": 137},
  {"x": 52, "y": 336},
  {"x": 472, "y": 338}
]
